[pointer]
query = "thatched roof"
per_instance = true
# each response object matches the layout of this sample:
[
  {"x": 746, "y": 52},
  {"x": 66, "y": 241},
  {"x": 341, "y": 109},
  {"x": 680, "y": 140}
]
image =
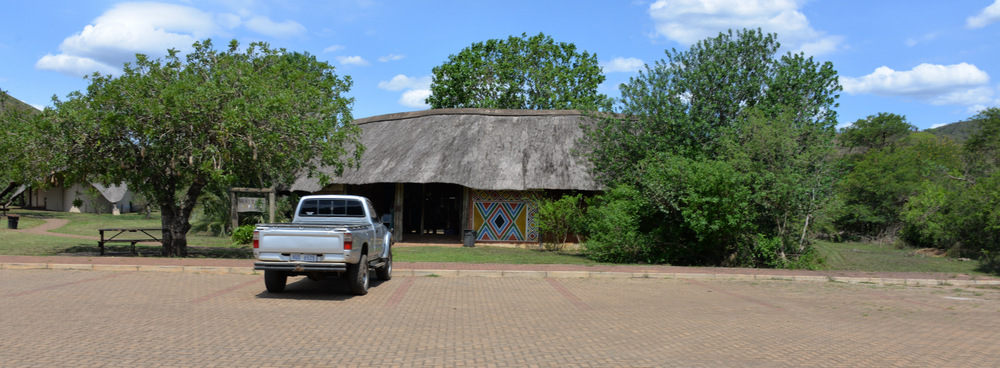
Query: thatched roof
[
  {"x": 476, "y": 148},
  {"x": 113, "y": 193}
]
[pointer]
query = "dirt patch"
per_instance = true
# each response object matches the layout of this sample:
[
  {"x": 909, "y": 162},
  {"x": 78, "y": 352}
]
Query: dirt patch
[{"x": 930, "y": 252}]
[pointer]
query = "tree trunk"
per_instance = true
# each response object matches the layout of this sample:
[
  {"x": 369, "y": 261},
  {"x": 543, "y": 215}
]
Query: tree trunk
[
  {"x": 175, "y": 219},
  {"x": 175, "y": 228}
]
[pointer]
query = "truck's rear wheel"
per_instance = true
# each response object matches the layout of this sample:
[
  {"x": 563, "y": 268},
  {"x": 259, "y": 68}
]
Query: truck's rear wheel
[
  {"x": 275, "y": 281},
  {"x": 357, "y": 276},
  {"x": 384, "y": 273}
]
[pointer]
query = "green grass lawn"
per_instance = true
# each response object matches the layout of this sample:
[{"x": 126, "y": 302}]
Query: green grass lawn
[
  {"x": 88, "y": 224},
  {"x": 24, "y": 244},
  {"x": 854, "y": 256},
  {"x": 482, "y": 254},
  {"x": 846, "y": 256}
]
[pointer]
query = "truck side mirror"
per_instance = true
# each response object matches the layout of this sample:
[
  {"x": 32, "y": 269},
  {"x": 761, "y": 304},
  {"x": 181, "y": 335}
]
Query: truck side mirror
[{"x": 387, "y": 218}]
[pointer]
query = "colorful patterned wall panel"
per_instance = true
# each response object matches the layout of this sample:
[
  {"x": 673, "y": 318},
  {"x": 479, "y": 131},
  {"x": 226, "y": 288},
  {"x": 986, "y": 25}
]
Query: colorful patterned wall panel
[{"x": 505, "y": 215}]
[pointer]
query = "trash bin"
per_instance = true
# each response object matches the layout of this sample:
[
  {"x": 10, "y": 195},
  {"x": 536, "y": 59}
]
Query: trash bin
[
  {"x": 469, "y": 238},
  {"x": 12, "y": 221}
]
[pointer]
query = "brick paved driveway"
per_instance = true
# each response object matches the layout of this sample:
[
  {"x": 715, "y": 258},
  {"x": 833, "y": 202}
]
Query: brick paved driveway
[{"x": 98, "y": 318}]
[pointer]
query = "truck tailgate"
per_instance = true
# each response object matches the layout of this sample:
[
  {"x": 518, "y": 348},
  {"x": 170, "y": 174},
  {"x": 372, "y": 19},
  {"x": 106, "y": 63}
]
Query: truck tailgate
[{"x": 302, "y": 240}]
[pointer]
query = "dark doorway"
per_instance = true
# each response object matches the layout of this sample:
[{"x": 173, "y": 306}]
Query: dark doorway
[
  {"x": 382, "y": 195},
  {"x": 432, "y": 213}
]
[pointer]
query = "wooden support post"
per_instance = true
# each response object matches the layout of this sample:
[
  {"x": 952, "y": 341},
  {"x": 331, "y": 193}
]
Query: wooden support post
[
  {"x": 234, "y": 216},
  {"x": 397, "y": 216},
  {"x": 423, "y": 205},
  {"x": 465, "y": 212},
  {"x": 271, "y": 208}
]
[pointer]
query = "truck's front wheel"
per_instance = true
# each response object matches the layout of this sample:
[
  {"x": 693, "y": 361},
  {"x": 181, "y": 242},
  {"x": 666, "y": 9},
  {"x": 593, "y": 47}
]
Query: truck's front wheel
[
  {"x": 275, "y": 281},
  {"x": 357, "y": 276}
]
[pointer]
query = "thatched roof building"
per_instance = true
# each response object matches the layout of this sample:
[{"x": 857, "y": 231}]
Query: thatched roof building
[
  {"x": 479, "y": 156},
  {"x": 475, "y": 148}
]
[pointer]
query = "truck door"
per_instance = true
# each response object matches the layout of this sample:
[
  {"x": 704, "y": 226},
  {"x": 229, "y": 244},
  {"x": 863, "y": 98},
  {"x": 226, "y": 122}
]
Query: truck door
[{"x": 378, "y": 244}]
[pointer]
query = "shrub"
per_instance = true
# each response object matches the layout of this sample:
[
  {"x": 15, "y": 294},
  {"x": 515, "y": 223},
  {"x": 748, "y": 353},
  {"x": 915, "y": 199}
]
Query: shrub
[
  {"x": 243, "y": 234},
  {"x": 620, "y": 229},
  {"x": 558, "y": 219}
]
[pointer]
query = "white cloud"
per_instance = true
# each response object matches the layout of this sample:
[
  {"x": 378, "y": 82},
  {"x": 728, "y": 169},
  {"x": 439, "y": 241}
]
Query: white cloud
[
  {"x": 822, "y": 46},
  {"x": 149, "y": 28},
  {"x": 391, "y": 57},
  {"x": 127, "y": 29},
  {"x": 922, "y": 39},
  {"x": 352, "y": 60},
  {"x": 228, "y": 21},
  {"x": 333, "y": 48},
  {"x": 268, "y": 27},
  {"x": 417, "y": 89},
  {"x": 623, "y": 65},
  {"x": 401, "y": 82},
  {"x": 958, "y": 84},
  {"x": 990, "y": 14},
  {"x": 73, "y": 66},
  {"x": 689, "y": 21},
  {"x": 978, "y": 95},
  {"x": 416, "y": 98},
  {"x": 935, "y": 126}
]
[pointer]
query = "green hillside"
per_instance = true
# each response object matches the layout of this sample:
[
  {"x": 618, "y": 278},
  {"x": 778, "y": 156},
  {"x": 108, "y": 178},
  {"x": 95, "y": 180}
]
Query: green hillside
[
  {"x": 9, "y": 102},
  {"x": 958, "y": 132}
]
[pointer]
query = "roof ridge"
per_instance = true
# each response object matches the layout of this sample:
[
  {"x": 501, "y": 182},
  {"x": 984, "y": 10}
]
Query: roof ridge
[{"x": 466, "y": 111}]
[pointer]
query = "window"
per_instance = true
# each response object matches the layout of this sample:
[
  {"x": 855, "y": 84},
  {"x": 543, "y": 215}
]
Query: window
[{"x": 332, "y": 208}]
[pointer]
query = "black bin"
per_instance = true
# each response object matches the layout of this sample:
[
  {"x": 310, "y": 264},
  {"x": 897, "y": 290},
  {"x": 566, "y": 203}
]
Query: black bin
[
  {"x": 469, "y": 239},
  {"x": 12, "y": 221}
]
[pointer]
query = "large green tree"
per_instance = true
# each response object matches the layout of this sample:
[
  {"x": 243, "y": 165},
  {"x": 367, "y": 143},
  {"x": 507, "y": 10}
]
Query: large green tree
[
  {"x": 956, "y": 209},
  {"x": 881, "y": 181},
  {"x": 875, "y": 132},
  {"x": 171, "y": 128},
  {"x": 535, "y": 73},
  {"x": 730, "y": 143},
  {"x": 685, "y": 103},
  {"x": 25, "y": 158}
]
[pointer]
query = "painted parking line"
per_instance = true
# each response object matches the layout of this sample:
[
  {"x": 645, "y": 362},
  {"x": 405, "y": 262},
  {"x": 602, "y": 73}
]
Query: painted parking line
[
  {"x": 27, "y": 292},
  {"x": 397, "y": 296},
  {"x": 224, "y": 291},
  {"x": 735, "y": 295},
  {"x": 568, "y": 294}
]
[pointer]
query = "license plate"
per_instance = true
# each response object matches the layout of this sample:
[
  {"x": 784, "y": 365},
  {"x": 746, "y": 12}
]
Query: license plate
[{"x": 304, "y": 257}]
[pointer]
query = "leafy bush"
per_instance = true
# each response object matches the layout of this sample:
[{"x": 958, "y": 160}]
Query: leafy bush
[
  {"x": 558, "y": 219},
  {"x": 883, "y": 181},
  {"x": 243, "y": 234},
  {"x": 621, "y": 229}
]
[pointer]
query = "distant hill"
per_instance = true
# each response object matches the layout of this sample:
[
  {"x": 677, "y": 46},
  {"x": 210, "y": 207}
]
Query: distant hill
[
  {"x": 958, "y": 132},
  {"x": 9, "y": 102}
]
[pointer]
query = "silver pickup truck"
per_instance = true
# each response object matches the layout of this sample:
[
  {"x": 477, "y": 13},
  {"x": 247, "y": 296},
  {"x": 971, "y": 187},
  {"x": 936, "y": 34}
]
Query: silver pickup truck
[{"x": 329, "y": 235}]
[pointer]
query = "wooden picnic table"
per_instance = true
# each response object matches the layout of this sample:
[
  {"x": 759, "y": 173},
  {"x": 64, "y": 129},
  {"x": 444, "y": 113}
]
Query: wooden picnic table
[{"x": 144, "y": 237}]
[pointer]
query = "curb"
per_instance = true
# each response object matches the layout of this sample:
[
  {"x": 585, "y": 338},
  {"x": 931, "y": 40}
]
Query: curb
[{"x": 517, "y": 274}]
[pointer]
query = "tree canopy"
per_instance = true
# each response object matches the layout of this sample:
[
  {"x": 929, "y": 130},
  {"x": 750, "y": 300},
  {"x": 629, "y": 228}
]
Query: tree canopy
[
  {"x": 956, "y": 208},
  {"x": 170, "y": 128},
  {"x": 729, "y": 144},
  {"x": 876, "y": 132},
  {"x": 684, "y": 104},
  {"x": 27, "y": 156},
  {"x": 534, "y": 73}
]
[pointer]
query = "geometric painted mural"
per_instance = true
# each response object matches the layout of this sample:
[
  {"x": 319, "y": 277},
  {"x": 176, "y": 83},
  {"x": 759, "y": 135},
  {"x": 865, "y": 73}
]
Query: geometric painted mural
[
  {"x": 505, "y": 215},
  {"x": 501, "y": 221}
]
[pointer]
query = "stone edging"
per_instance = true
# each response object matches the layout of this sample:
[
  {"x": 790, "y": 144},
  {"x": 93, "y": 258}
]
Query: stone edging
[{"x": 521, "y": 274}]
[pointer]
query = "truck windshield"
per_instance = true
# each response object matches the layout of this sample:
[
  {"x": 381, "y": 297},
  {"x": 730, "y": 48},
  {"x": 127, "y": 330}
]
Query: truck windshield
[{"x": 331, "y": 208}]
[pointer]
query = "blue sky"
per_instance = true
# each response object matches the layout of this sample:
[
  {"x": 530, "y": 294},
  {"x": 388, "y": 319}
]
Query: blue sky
[{"x": 935, "y": 62}]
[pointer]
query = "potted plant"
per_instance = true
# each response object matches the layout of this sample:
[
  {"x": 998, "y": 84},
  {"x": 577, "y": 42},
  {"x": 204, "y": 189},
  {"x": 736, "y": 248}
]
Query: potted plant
[{"x": 76, "y": 205}]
